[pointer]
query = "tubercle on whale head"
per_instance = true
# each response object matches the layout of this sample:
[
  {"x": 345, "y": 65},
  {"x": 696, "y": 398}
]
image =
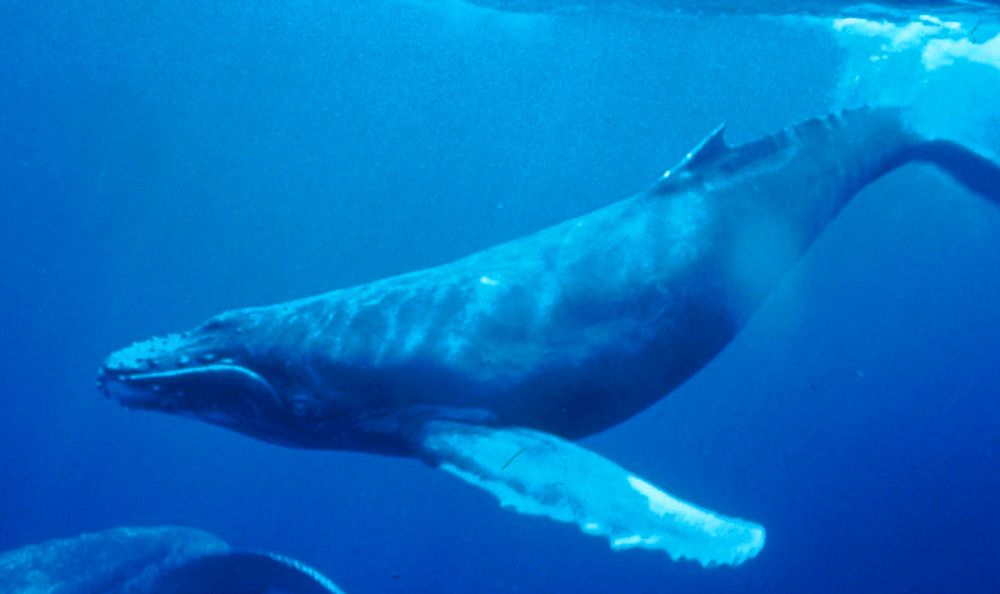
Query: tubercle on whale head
[
  {"x": 226, "y": 372},
  {"x": 192, "y": 348}
]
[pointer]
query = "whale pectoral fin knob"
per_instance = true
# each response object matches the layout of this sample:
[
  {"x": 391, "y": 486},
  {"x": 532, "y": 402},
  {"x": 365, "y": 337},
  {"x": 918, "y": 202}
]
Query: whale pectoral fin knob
[{"x": 540, "y": 474}]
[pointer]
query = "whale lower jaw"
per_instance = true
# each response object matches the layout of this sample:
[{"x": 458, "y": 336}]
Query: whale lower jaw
[
  {"x": 177, "y": 389},
  {"x": 131, "y": 396}
]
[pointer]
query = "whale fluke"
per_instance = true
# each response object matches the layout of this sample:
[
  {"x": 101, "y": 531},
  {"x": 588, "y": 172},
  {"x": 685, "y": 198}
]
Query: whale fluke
[{"x": 540, "y": 474}]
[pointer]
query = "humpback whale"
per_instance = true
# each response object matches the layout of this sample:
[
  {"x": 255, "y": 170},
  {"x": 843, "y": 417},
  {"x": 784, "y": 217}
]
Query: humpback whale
[
  {"x": 490, "y": 366},
  {"x": 152, "y": 560}
]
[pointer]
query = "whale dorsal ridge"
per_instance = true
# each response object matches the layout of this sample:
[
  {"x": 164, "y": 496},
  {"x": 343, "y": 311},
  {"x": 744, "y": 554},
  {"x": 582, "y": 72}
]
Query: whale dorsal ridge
[{"x": 708, "y": 150}]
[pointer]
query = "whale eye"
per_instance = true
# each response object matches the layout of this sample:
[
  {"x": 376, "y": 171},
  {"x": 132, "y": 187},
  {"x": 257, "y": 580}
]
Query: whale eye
[
  {"x": 213, "y": 325},
  {"x": 226, "y": 322}
]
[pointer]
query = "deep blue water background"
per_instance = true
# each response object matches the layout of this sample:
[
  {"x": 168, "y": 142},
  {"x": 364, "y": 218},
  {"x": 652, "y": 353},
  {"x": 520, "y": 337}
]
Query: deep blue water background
[{"x": 159, "y": 164}]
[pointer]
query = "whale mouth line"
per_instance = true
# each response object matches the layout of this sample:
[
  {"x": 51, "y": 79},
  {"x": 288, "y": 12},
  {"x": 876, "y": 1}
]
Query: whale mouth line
[
  {"x": 148, "y": 376},
  {"x": 178, "y": 388}
]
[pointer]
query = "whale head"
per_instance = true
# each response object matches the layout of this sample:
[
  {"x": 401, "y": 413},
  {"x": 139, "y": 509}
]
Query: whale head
[{"x": 230, "y": 371}]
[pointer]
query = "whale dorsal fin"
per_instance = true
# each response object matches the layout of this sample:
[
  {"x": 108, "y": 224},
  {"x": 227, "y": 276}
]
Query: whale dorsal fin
[
  {"x": 709, "y": 149},
  {"x": 540, "y": 474}
]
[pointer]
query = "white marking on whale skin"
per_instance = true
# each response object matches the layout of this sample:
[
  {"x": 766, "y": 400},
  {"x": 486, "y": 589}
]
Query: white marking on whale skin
[
  {"x": 488, "y": 281},
  {"x": 417, "y": 334},
  {"x": 687, "y": 221},
  {"x": 627, "y": 542},
  {"x": 476, "y": 303},
  {"x": 415, "y": 338},
  {"x": 330, "y": 331},
  {"x": 391, "y": 329},
  {"x": 455, "y": 344},
  {"x": 739, "y": 539},
  {"x": 661, "y": 504},
  {"x": 300, "y": 566},
  {"x": 351, "y": 311},
  {"x": 547, "y": 296}
]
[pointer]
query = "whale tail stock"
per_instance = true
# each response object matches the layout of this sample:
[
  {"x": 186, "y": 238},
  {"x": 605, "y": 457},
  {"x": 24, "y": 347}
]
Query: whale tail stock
[
  {"x": 807, "y": 172},
  {"x": 974, "y": 171},
  {"x": 873, "y": 141}
]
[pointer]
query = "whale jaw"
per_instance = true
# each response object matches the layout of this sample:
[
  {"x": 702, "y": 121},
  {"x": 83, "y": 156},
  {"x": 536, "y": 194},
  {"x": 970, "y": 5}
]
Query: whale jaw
[
  {"x": 191, "y": 388},
  {"x": 189, "y": 372}
]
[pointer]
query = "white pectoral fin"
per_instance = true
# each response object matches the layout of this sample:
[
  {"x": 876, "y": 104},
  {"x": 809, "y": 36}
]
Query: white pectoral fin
[{"x": 540, "y": 474}]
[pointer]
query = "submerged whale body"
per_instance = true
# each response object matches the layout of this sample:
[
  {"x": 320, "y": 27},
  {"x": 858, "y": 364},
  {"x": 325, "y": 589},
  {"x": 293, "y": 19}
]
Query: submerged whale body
[
  {"x": 486, "y": 367},
  {"x": 155, "y": 560}
]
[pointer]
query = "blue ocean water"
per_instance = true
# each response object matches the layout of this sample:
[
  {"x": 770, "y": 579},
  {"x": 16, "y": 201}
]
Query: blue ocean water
[{"x": 159, "y": 164}]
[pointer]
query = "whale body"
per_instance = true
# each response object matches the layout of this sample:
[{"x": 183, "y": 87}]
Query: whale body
[
  {"x": 153, "y": 560},
  {"x": 489, "y": 366}
]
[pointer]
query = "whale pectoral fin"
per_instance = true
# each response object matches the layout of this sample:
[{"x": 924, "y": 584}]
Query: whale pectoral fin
[{"x": 540, "y": 474}]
